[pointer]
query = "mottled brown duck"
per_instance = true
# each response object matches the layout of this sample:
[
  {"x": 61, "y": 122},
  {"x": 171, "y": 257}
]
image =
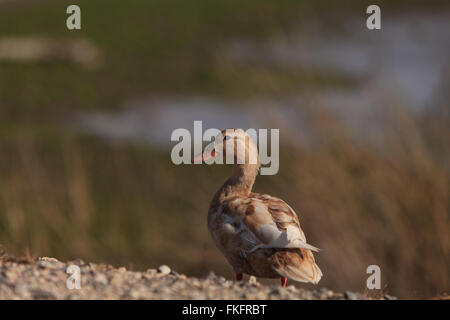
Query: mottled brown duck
[{"x": 259, "y": 234}]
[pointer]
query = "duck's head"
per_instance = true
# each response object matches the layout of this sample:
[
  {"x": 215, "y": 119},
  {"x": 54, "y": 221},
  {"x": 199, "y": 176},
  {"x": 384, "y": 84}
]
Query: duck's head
[{"x": 231, "y": 146}]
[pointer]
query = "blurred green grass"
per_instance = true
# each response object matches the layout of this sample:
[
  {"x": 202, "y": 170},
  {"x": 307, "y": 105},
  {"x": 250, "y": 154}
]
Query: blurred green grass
[
  {"x": 70, "y": 195},
  {"x": 165, "y": 46}
]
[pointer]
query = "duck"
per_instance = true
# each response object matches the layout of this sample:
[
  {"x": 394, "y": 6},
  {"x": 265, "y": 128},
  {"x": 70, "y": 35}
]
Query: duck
[{"x": 259, "y": 234}]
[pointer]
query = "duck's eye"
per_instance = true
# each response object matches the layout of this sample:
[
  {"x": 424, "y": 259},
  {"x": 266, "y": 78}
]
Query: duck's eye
[{"x": 227, "y": 137}]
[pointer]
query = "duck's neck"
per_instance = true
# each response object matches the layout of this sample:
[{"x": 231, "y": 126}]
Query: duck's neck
[{"x": 240, "y": 182}]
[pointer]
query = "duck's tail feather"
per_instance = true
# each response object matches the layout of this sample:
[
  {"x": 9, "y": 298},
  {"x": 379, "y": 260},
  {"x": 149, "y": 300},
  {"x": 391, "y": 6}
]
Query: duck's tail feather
[{"x": 297, "y": 264}]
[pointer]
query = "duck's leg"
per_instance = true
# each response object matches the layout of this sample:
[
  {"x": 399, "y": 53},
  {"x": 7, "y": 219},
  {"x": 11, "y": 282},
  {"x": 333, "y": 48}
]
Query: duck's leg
[
  {"x": 283, "y": 282},
  {"x": 238, "y": 276}
]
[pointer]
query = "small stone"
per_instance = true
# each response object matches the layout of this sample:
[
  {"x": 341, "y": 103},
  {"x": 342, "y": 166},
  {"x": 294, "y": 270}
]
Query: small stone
[
  {"x": 350, "y": 295},
  {"x": 137, "y": 275},
  {"x": 23, "y": 291},
  {"x": 164, "y": 269},
  {"x": 11, "y": 276},
  {"x": 42, "y": 294},
  {"x": 43, "y": 264},
  {"x": 134, "y": 294},
  {"x": 48, "y": 259},
  {"x": 252, "y": 280},
  {"x": 116, "y": 280},
  {"x": 291, "y": 288},
  {"x": 79, "y": 262},
  {"x": 151, "y": 271},
  {"x": 275, "y": 290},
  {"x": 73, "y": 296},
  {"x": 101, "y": 279}
]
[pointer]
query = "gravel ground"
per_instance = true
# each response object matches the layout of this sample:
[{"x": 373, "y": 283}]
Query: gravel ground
[{"x": 45, "y": 278}]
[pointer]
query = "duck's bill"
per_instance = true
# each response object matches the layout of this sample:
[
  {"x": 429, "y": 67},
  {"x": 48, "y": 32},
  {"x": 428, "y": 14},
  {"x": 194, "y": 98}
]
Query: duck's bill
[{"x": 202, "y": 157}]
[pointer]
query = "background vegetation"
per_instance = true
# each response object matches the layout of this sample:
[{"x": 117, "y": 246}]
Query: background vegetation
[{"x": 68, "y": 194}]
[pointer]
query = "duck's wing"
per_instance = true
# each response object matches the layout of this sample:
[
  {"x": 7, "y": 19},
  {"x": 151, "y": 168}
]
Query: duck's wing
[
  {"x": 262, "y": 221},
  {"x": 267, "y": 222}
]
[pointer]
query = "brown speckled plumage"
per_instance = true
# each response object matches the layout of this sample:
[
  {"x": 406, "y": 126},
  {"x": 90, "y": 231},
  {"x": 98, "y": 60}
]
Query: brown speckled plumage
[{"x": 259, "y": 234}]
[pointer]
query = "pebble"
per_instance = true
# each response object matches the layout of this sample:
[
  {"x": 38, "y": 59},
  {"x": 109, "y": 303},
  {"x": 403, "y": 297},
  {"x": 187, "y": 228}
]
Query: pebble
[
  {"x": 350, "y": 295},
  {"x": 275, "y": 290},
  {"x": 42, "y": 294},
  {"x": 47, "y": 259},
  {"x": 164, "y": 269},
  {"x": 78, "y": 262},
  {"x": 116, "y": 280},
  {"x": 252, "y": 280},
  {"x": 101, "y": 279},
  {"x": 10, "y": 276}
]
